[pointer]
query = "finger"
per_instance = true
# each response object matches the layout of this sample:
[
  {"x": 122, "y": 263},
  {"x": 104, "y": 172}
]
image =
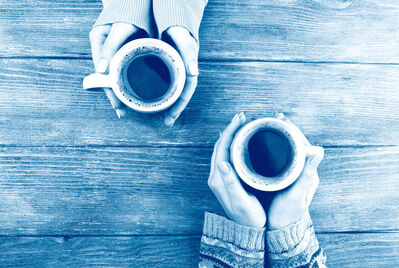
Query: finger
[
  {"x": 213, "y": 164},
  {"x": 188, "y": 48},
  {"x": 281, "y": 116},
  {"x": 216, "y": 185},
  {"x": 316, "y": 154},
  {"x": 97, "y": 36},
  {"x": 231, "y": 182},
  {"x": 223, "y": 149},
  {"x": 214, "y": 181},
  {"x": 180, "y": 105},
  {"x": 312, "y": 190},
  {"x": 118, "y": 106},
  {"x": 307, "y": 182},
  {"x": 116, "y": 37}
]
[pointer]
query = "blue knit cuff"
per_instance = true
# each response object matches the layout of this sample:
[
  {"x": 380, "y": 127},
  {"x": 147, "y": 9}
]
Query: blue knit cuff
[
  {"x": 225, "y": 242},
  {"x": 294, "y": 245}
]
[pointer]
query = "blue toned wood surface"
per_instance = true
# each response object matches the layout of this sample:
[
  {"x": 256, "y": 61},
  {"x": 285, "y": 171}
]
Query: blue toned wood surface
[{"x": 79, "y": 187}]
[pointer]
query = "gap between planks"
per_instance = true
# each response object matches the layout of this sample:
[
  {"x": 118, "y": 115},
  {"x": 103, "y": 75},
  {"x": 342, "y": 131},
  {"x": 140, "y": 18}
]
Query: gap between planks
[
  {"x": 174, "y": 235},
  {"x": 210, "y": 60},
  {"x": 177, "y": 146}
]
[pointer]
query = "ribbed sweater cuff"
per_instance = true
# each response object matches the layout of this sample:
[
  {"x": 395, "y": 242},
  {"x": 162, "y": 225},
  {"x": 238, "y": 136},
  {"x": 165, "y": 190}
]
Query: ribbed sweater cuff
[
  {"x": 137, "y": 12},
  {"x": 245, "y": 237},
  {"x": 293, "y": 245},
  {"x": 184, "y": 13},
  {"x": 226, "y": 242}
]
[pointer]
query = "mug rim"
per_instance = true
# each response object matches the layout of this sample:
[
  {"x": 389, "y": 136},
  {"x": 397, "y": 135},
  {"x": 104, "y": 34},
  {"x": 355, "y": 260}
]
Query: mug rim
[
  {"x": 148, "y": 46},
  {"x": 239, "y": 148}
]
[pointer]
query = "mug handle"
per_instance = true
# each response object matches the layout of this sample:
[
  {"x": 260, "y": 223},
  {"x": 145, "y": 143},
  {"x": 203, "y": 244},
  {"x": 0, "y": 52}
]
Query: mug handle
[{"x": 96, "y": 80}]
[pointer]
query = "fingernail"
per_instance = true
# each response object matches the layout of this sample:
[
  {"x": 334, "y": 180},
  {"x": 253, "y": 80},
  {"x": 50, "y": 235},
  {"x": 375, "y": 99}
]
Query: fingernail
[
  {"x": 234, "y": 118},
  {"x": 280, "y": 116},
  {"x": 315, "y": 160},
  {"x": 121, "y": 113},
  {"x": 242, "y": 117},
  {"x": 118, "y": 113},
  {"x": 102, "y": 66},
  {"x": 169, "y": 121},
  {"x": 193, "y": 68},
  {"x": 312, "y": 160},
  {"x": 224, "y": 168}
]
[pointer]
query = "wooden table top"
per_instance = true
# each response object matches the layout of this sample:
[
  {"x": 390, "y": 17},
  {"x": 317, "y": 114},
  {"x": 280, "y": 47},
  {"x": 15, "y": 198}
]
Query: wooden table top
[{"x": 79, "y": 187}]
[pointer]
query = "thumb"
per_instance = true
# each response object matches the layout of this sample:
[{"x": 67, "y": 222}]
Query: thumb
[
  {"x": 315, "y": 155},
  {"x": 306, "y": 184},
  {"x": 230, "y": 180},
  {"x": 187, "y": 47},
  {"x": 117, "y": 36}
]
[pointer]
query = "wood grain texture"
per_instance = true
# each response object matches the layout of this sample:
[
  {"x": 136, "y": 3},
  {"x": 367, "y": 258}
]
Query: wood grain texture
[
  {"x": 361, "y": 250},
  {"x": 90, "y": 191},
  {"x": 318, "y": 30},
  {"x": 69, "y": 167},
  {"x": 139, "y": 251},
  {"x": 42, "y": 103},
  {"x": 343, "y": 250}
]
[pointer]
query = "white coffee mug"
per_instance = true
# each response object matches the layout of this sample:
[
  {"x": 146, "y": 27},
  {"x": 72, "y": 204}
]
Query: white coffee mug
[
  {"x": 241, "y": 160},
  {"x": 117, "y": 77}
]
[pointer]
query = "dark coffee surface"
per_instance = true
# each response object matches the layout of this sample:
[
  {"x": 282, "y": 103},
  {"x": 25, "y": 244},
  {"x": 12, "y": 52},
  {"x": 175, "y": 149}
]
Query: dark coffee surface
[
  {"x": 269, "y": 153},
  {"x": 148, "y": 77}
]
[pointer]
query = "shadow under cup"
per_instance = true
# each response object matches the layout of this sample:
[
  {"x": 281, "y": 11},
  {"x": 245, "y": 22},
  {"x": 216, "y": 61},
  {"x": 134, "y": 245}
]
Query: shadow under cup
[{"x": 268, "y": 154}]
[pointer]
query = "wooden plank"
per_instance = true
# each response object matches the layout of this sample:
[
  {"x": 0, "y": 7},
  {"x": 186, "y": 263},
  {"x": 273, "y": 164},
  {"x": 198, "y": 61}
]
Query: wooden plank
[
  {"x": 139, "y": 251},
  {"x": 112, "y": 190},
  {"x": 358, "y": 187},
  {"x": 361, "y": 250},
  {"x": 355, "y": 31},
  {"x": 42, "y": 103},
  {"x": 343, "y": 250}
]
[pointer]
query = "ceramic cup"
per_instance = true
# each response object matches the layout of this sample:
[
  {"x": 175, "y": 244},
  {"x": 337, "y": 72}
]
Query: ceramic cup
[
  {"x": 278, "y": 129},
  {"x": 118, "y": 77}
]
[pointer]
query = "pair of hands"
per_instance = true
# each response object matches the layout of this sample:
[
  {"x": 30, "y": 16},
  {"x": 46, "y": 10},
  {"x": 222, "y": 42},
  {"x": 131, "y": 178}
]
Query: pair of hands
[
  {"x": 106, "y": 40},
  {"x": 286, "y": 207}
]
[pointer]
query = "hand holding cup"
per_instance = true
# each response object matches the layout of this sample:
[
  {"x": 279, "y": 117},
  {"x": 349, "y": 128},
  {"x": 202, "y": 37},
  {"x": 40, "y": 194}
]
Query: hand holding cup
[
  {"x": 239, "y": 205},
  {"x": 188, "y": 49},
  {"x": 287, "y": 206},
  {"x": 107, "y": 40}
]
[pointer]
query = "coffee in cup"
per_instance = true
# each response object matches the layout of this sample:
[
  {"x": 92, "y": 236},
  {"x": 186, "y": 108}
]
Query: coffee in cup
[
  {"x": 268, "y": 154},
  {"x": 147, "y": 75}
]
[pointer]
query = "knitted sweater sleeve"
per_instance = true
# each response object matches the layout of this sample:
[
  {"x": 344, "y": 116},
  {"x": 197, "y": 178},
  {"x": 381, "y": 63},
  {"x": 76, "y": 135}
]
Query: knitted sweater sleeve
[
  {"x": 225, "y": 243},
  {"x": 295, "y": 245},
  {"x": 136, "y": 12},
  {"x": 184, "y": 13},
  {"x": 166, "y": 13}
]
